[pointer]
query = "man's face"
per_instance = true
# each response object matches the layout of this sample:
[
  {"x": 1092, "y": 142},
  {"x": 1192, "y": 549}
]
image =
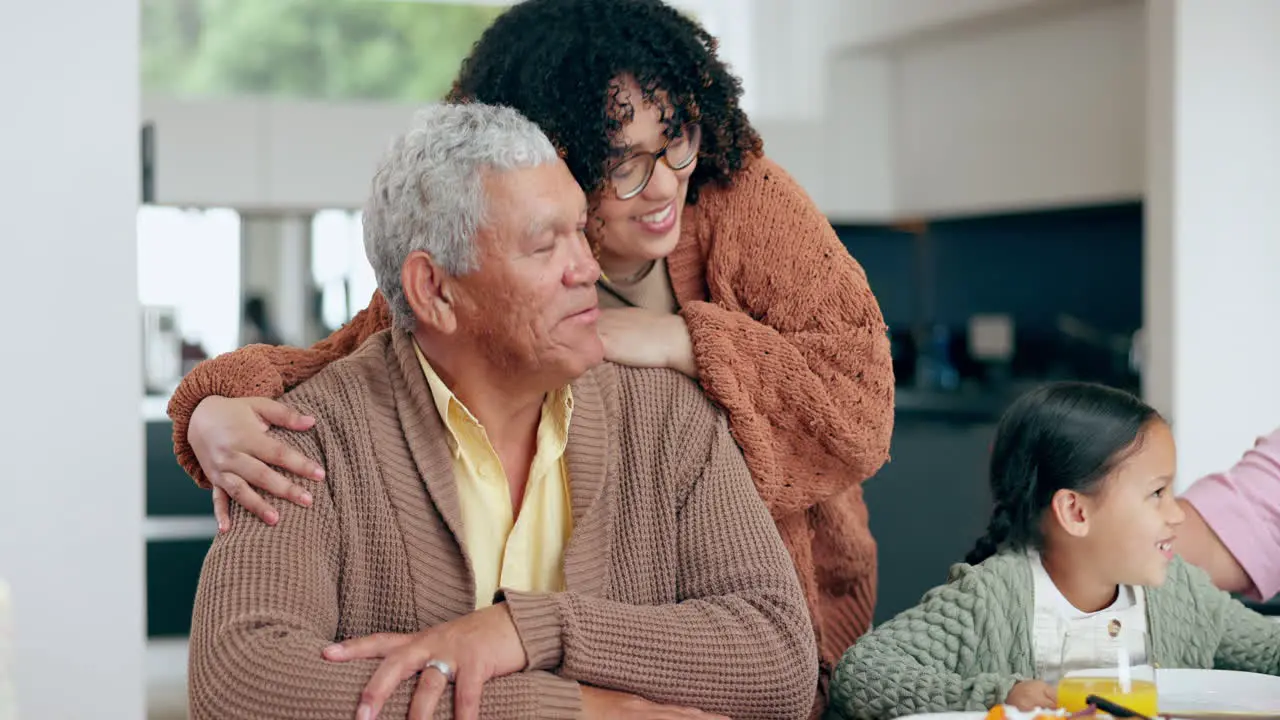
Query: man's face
[{"x": 531, "y": 307}]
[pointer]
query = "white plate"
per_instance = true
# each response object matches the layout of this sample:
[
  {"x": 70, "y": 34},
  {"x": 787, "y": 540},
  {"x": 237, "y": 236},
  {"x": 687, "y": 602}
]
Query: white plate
[
  {"x": 1217, "y": 692},
  {"x": 969, "y": 715},
  {"x": 1197, "y": 693}
]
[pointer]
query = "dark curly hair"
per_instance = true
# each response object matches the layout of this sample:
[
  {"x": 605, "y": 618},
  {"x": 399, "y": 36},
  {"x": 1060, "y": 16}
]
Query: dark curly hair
[{"x": 557, "y": 62}]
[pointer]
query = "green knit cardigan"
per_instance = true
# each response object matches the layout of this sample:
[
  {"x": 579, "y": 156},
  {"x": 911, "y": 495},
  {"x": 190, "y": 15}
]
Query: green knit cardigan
[{"x": 967, "y": 642}]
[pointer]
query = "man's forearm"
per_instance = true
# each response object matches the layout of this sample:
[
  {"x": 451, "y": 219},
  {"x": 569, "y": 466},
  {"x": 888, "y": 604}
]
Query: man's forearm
[
  {"x": 739, "y": 655},
  {"x": 268, "y": 670},
  {"x": 1200, "y": 546},
  {"x": 257, "y": 668},
  {"x": 1234, "y": 531}
]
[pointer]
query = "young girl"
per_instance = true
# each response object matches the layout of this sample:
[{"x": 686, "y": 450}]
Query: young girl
[{"x": 1079, "y": 539}]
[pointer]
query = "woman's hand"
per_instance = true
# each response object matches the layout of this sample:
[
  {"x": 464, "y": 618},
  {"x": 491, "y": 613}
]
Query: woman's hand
[
  {"x": 229, "y": 437},
  {"x": 474, "y": 648},
  {"x": 643, "y": 338}
]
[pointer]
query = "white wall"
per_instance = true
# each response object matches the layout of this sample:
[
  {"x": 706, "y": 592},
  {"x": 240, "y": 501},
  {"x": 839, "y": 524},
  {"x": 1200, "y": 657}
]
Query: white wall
[
  {"x": 1039, "y": 113},
  {"x": 848, "y": 164},
  {"x": 1213, "y": 241},
  {"x": 878, "y": 23},
  {"x": 71, "y": 490},
  {"x": 788, "y": 44},
  {"x": 269, "y": 154},
  {"x": 282, "y": 155}
]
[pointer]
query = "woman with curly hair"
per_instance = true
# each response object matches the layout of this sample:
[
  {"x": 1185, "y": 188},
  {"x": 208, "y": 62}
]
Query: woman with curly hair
[{"x": 715, "y": 262}]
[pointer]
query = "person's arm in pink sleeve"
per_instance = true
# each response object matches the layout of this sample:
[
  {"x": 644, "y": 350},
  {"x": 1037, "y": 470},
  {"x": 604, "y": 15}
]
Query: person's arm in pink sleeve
[{"x": 1233, "y": 523}]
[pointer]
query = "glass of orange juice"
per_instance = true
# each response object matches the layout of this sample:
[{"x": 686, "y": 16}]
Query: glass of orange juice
[{"x": 1112, "y": 662}]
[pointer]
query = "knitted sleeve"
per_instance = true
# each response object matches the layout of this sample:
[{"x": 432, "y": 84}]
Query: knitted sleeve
[
  {"x": 792, "y": 343},
  {"x": 263, "y": 371},
  {"x": 926, "y": 659},
  {"x": 1242, "y": 506},
  {"x": 268, "y": 604},
  {"x": 738, "y": 642},
  {"x": 1247, "y": 641}
]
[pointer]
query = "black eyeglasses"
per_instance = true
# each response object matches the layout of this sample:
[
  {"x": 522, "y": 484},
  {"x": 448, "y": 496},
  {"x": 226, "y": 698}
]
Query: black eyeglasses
[{"x": 630, "y": 176}]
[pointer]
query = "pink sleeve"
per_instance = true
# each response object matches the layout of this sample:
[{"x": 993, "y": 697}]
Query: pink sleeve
[{"x": 1242, "y": 506}]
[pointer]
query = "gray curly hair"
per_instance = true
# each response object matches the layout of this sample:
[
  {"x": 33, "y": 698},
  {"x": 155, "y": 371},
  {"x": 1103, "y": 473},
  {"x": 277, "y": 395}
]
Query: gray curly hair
[{"x": 428, "y": 193}]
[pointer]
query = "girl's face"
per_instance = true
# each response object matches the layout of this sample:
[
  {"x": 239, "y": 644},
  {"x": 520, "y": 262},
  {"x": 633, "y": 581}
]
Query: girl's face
[
  {"x": 645, "y": 225},
  {"x": 1126, "y": 528}
]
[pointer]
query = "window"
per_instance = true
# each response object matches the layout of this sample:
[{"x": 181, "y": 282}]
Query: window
[
  {"x": 339, "y": 266},
  {"x": 311, "y": 49},
  {"x": 189, "y": 260}
]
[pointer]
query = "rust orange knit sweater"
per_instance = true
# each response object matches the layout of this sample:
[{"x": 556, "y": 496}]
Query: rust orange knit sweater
[{"x": 788, "y": 339}]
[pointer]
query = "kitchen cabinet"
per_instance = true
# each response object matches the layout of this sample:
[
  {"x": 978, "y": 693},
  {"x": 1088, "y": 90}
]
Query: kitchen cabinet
[
  {"x": 178, "y": 528},
  {"x": 928, "y": 504}
]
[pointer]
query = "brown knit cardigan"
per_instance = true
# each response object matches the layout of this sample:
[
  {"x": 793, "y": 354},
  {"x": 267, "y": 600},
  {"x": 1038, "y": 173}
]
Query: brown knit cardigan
[
  {"x": 788, "y": 339},
  {"x": 677, "y": 588}
]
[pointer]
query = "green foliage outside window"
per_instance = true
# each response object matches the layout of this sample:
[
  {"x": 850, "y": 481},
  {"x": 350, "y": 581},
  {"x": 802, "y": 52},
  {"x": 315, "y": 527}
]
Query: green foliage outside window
[{"x": 312, "y": 49}]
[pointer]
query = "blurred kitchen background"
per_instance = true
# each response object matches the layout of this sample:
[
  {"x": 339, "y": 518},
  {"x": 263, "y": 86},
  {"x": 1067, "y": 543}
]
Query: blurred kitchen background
[
  {"x": 1028, "y": 184},
  {"x": 262, "y": 121}
]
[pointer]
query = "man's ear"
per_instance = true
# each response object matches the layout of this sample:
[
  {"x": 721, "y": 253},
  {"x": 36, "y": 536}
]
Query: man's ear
[{"x": 429, "y": 290}]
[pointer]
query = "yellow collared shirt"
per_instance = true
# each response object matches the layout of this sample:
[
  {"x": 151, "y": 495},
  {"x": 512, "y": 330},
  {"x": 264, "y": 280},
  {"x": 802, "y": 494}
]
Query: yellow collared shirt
[{"x": 521, "y": 553}]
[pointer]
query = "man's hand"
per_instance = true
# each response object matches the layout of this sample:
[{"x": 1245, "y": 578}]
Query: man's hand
[
  {"x": 476, "y": 647},
  {"x": 598, "y": 704},
  {"x": 1032, "y": 694}
]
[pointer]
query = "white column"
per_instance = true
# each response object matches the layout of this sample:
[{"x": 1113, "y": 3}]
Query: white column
[
  {"x": 295, "y": 287},
  {"x": 276, "y": 264},
  {"x": 1212, "y": 285},
  {"x": 71, "y": 489}
]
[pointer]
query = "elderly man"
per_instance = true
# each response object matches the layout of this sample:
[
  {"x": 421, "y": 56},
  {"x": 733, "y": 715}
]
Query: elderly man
[{"x": 510, "y": 528}]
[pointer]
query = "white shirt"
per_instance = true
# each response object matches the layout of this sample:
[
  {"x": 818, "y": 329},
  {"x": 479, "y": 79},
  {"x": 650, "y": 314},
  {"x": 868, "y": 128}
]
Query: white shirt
[{"x": 1053, "y": 617}]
